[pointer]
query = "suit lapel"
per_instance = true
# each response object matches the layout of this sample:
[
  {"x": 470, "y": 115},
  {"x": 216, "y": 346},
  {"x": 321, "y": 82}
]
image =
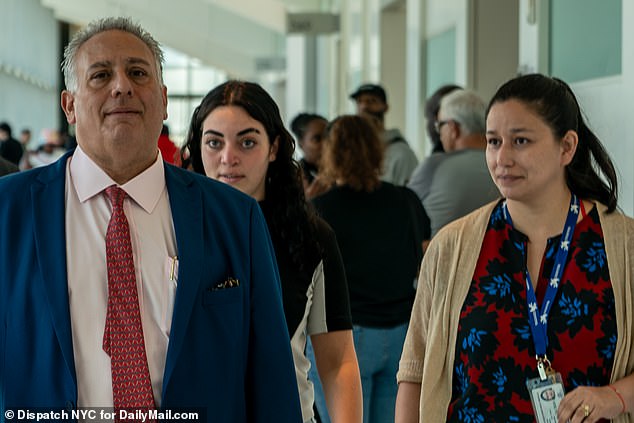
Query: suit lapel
[
  {"x": 185, "y": 200},
  {"x": 48, "y": 207}
]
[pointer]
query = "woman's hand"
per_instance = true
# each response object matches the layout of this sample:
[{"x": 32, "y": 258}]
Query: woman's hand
[{"x": 589, "y": 404}]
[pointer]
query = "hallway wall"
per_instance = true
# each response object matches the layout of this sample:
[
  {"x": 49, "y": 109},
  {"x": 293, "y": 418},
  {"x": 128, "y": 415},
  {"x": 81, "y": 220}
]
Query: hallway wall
[
  {"x": 379, "y": 40},
  {"x": 29, "y": 66}
]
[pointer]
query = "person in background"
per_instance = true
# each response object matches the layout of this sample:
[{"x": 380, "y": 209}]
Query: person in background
[
  {"x": 528, "y": 299},
  {"x": 169, "y": 151},
  {"x": 308, "y": 129},
  {"x": 130, "y": 283},
  {"x": 237, "y": 136},
  {"x": 25, "y": 138},
  {"x": 432, "y": 106},
  {"x": 399, "y": 158},
  {"x": 25, "y": 142},
  {"x": 50, "y": 149},
  {"x": 452, "y": 184},
  {"x": 10, "y": 148},
  {"x": 379, "y": 230},
  {"x": 7, "y": 167}
]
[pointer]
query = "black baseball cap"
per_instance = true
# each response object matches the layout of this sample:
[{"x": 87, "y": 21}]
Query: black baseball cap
[{"x": 372, "y": 89}]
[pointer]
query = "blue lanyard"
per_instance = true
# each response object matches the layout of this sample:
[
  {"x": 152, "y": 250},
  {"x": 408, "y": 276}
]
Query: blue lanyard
[{"x": 538, "y": 319}]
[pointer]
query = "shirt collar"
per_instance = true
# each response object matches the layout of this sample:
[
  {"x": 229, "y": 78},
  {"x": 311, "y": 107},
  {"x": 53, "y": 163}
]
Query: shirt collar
[
  {"x": 390, "y": 134},
  {"x": 89, "y": 180}
]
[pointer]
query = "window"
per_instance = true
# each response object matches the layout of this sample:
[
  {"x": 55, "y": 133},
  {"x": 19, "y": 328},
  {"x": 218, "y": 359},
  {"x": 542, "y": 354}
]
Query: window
[{"x": 585, "y": 39}]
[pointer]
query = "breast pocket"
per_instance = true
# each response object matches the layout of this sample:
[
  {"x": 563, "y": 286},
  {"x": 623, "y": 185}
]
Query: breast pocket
[
  {"x": 225, "y": 314},
  {"x": 220, "y": 297}
]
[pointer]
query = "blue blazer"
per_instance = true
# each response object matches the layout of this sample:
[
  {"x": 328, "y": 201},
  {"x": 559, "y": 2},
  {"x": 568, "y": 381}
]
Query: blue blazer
[{"x": 229, "y": 352}]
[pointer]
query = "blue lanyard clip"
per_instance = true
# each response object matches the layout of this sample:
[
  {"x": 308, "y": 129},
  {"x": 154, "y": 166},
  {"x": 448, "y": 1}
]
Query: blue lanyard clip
[{"x": 543, "y": 367}]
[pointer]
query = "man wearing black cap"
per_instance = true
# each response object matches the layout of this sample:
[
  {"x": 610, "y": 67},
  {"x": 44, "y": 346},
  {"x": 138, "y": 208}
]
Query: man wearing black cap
[{"x": 400, "y": 161}]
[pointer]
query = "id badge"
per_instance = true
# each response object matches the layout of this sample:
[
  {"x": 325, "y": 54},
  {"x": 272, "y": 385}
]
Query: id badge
[{"x": 545, "y": 396}]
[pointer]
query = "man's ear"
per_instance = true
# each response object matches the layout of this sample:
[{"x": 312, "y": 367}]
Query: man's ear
[
  {"x": 455, "y": 130},
  {"x": 569, "y": 144},
  {"x": 68, "y": 106}
]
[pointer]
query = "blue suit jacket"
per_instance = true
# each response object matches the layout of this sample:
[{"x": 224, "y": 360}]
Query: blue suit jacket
[{"x": 228, "y": 354}]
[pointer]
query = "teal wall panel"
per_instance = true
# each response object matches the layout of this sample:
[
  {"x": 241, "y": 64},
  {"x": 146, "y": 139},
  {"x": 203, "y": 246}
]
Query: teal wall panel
[
  {"x": 441, "y": 60},
  {"x": 585, "y": 39}
]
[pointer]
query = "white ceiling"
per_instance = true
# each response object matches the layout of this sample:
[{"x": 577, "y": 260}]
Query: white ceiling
[{"x": 227, "y": 34}]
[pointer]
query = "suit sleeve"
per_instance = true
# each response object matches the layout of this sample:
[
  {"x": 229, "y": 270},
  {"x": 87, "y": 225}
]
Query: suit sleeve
[{"x": 272, "y": 388}]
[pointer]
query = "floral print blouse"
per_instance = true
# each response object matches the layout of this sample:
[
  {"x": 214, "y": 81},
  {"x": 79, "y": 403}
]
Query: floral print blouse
[{"x": 495, "y": 354}]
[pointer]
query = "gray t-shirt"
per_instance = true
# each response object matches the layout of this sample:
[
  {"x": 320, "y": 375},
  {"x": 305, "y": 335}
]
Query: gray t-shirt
[
  {"x": 399, "y": 161},
  {"x": 450, "y": 185}
]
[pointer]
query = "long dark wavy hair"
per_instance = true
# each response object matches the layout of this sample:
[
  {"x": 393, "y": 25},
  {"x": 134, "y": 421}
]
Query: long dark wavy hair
[
  {"x": 291, "y": 220},
  {"x": 553, "y": 100}
]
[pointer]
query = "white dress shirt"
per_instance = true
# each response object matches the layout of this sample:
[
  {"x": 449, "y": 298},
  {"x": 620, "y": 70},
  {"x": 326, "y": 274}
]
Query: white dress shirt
[{"x": 149, "y": 215}]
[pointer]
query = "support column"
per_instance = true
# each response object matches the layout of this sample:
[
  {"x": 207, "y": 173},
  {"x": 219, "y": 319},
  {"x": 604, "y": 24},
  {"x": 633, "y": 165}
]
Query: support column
[{"x": 414, "y": 76}]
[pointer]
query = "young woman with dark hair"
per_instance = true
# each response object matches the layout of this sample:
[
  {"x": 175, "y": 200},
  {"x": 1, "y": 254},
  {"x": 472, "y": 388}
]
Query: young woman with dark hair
[{"x": 237, "y": 136}]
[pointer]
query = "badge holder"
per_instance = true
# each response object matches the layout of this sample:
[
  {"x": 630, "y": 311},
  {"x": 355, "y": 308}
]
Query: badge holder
[{"x": 546, "y": 392}]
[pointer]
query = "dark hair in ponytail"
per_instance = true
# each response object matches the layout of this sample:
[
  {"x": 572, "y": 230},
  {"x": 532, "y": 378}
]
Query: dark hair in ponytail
[{"x": 554, "y": 101}]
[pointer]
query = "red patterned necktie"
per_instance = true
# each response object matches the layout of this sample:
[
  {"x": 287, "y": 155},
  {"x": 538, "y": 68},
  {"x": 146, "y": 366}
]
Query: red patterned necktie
[{"x": 123, "y": 335}]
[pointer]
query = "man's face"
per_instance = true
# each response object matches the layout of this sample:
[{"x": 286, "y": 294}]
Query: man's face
[
  {"x": 311, "y": 144},
  {"x": 369, "y": 104},
  {"x": 448, "y": 131},
  {"x": 25, "y": 137},
  {"x": 119, "y": 105}
]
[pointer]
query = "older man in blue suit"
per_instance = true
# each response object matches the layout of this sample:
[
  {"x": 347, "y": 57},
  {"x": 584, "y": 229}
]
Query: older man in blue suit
[{"x": 208, "y": 291}]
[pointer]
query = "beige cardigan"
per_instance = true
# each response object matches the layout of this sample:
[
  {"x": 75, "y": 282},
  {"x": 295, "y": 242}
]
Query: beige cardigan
[{"x": 444, "y": 280}]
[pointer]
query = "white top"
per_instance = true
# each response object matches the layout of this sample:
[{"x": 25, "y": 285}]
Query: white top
[
  {"x": 313, "y": 322},
  {"x": 88, "y": 211}
]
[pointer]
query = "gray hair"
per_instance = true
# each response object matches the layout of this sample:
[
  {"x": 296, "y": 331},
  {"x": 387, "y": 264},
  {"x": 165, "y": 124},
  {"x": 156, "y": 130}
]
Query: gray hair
[
  {"x": 101, "y": 25},
  {"x": 466, "y": 108}
]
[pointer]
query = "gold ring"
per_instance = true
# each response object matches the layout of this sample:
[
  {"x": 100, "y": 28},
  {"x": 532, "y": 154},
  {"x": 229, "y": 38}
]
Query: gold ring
[{"x": 586, "y": 410}]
